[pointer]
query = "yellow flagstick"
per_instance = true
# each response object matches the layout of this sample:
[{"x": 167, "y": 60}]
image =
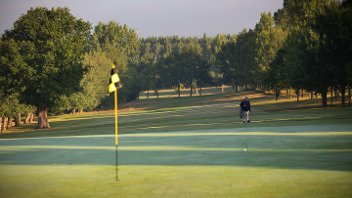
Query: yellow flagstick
[
  {"x": 116, "y": 119},
  {"x": 114, "y": 85},
  {"x": 116, "y": 134}
]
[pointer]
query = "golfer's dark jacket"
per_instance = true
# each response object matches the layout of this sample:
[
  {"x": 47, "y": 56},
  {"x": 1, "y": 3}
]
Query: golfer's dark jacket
[{"x": 245, "y": 105}]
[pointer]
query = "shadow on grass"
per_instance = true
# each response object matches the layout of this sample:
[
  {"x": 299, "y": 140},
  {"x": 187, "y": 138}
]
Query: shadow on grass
[
  {"x": 339, "y": 160},
  {"x": 314, "y": 152}
]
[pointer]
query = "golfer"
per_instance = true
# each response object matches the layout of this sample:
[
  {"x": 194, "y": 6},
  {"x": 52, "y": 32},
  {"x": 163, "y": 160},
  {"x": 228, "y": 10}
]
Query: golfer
[{"x": 245, "y": 108}]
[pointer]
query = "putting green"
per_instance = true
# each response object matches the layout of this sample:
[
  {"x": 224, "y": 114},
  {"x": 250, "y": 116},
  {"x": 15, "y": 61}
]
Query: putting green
[{"x": 291, "y": 161}]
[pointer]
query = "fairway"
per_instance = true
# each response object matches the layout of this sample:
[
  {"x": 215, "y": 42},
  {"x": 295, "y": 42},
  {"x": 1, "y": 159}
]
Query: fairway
[
  {"x": 283, "y": 161},
  {"x": 189, "y": 147}
]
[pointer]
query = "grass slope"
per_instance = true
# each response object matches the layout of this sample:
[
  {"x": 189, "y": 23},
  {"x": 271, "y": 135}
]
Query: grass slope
[
  {"x": 207, "y": 112},
  {"x": 193, "y": 147}
]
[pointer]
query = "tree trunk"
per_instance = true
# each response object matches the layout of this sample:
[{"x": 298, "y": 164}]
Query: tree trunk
[
  {"x": 18, "y": 119},
  {"x": 349, "y": 95},
  {"x": 237, "y": 90},
  {"x": 233, "y": 85},
  {"x": 324, "y": 99},
  {"x": 138, "y": 94},
  {"x": 9, "y": 123},
  {"x": 343, "y": 94},
  {"x": 331, "y": 97},
  {"x": 297, "y": 94},
  {"x": 148, "y": 94},
  {"x": 0, "y": 123},
  {"x": 31, "y": 118},
  {"x": 311, "y": 95},
  {"x": 157, "y": 94},
  {"x": 277, "y": 93},
  {"x": 200, "y": 91},
  {"x": 27, "y": 120},
  {"x": 287, "y": 94},
  {"x": 336, "y": 90},
  {"x": 43, "y": 122},
  {"x": 191, "y": 90},
  {"x": 302, "y": 93},
  {"x": 179, "y": 90},
  {"x": 4, "y": 123}
]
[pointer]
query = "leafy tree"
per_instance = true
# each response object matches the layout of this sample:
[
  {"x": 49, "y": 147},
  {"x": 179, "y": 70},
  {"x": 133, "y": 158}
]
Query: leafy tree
[
  {"x": 146, "y": 67},
  {"x": 269, "y": 40},
  {"x": 277, "y": 74},
  {"x": 173, "y": 71},
  {"x": 7, "y": 111},
  {"x": 245, "y": 57},
  {"x": 97, "y": 66},
  {"x": 160, "y": 58},
  {"x": 216, "y": 46},
  {"x": 193, "y": 63},
  {"x": 205, "y": 43},
  {"x": 306, "y": 61},
  {"x": 334, "y": 27},
  {"x": 62, "y": 105},
  {"x": 54, "y": 58},
  {"x": 12, "y": 110},
  {"x": 12, "y": 69},
  {"x": 264, "y": 51},
  {"x": 13, "y": 66},
  {"x": 226, "y": 58},
  {"x": 119, "y": 42}
]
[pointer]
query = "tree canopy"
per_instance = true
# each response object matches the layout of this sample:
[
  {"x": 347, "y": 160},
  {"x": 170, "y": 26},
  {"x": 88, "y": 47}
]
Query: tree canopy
[{"x": 55, "y": 42}]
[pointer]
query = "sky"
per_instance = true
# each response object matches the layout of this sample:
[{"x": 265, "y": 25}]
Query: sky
[{"x": 155, "y": 17}]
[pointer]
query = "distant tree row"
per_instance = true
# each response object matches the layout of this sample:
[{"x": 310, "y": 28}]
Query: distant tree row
[
  {"x": 306, "y": 45},
  {"x": 166, "y": 62},
  {"x": 53, "y": 62}
]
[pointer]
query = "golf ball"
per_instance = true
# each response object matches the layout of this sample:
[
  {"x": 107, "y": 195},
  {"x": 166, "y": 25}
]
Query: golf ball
[{"x": 245, "y": 150}]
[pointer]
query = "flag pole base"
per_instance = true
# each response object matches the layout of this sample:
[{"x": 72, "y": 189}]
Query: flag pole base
[{"x": 117, "y": 162}]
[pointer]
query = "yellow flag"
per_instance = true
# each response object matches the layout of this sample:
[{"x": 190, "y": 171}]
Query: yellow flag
[{"x": 114, "y": 82}]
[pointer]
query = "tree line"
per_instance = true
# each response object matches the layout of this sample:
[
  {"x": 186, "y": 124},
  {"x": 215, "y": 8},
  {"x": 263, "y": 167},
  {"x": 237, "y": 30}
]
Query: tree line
[
  {"x": 305, "y": 46},
  {"x": 53, "y": 62}
]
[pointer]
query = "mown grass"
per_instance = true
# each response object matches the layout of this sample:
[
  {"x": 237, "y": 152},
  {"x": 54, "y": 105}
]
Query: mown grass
[
  {"x": 188, "y": 147},
  {"x": 207, "y": 112},
  {"x": 304, "y": 161}
]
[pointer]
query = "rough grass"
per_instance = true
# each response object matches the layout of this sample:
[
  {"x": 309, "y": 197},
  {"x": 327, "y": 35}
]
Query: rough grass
[{"x": 193, "y": 147}]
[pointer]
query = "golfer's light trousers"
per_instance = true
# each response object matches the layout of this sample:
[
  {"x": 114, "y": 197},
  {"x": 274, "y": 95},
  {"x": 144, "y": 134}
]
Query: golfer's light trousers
[{"x": 245, "y": 116}]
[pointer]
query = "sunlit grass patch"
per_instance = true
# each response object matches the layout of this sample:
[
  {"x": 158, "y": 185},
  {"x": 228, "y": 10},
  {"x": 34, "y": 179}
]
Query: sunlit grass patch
[
  {"x": 244, "y": 162},
  {"x": 171, "y": 181}
]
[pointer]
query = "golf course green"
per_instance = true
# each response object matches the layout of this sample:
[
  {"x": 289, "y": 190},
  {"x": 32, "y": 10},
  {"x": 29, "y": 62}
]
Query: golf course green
[{"x": 188, "y": 147}]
